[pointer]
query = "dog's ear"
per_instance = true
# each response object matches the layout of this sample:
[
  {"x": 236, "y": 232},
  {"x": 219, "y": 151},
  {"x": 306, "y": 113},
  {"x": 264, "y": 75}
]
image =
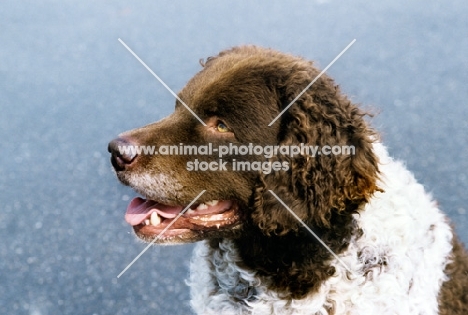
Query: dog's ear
[{"x": 315, "y": 187}]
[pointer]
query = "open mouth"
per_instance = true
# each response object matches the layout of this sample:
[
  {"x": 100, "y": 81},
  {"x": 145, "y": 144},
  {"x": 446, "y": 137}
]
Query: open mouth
[{"x": 149, "y": 218}]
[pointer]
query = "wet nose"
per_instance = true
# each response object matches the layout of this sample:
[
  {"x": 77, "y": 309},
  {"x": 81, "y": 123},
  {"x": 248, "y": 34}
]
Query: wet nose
[{"x": 123, "y": 153}]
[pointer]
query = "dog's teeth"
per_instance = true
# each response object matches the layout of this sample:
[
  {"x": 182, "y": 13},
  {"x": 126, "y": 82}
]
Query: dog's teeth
[
  {"x": 218, "y": 225},
  {"x": 190, "y": 211},
  {"x": 202, "y": 206},
  {"x": 155, "y": 219},
  {"x": 212, "y": 202},
  {"x": 147, "y": 222}
]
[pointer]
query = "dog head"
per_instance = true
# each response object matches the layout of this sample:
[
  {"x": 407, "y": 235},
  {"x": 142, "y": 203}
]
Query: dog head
[{"x": 237, "y": 95}]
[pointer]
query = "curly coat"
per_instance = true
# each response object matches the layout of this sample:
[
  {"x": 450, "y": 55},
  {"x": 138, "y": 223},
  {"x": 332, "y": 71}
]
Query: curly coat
[{"x": 400, "y": 253}]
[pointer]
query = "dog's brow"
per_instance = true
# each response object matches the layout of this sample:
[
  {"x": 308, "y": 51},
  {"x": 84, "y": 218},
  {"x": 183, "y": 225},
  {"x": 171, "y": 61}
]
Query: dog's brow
[
  {"x": 313, "y": 81},
  {"x": 162, "y": 82}
]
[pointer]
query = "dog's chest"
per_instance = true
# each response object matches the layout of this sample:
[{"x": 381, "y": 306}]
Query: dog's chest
[
  {"x": 397, "y": 264},
  {"x": 220, "y": 286}
]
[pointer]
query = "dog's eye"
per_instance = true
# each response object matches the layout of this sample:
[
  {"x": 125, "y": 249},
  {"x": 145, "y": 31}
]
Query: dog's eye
[{"x": 222, "y": 127}]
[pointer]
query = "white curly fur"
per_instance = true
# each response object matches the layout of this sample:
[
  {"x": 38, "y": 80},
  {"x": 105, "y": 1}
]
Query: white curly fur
[{"x": 400, "y": 268}]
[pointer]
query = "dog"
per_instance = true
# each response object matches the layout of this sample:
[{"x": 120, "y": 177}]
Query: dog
[{"x": 282, "y": 233}]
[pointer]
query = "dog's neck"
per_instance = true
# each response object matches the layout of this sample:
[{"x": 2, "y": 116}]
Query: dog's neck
[{"x": 294, "y": 264}]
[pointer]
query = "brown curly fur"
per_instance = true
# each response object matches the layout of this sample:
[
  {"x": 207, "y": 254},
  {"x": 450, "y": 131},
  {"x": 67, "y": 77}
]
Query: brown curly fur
[
  {"x": 323, "y": 191},
  {"x": 246, "y": 88},
  {"x": 453, "y": 296}
]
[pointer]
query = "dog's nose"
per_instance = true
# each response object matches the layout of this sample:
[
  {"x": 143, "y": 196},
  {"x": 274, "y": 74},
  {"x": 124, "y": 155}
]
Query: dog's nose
[{"x": 123, "y": 153}]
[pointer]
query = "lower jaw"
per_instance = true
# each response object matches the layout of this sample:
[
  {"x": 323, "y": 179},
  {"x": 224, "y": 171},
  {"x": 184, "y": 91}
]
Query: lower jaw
[
  {"x": 185, "y": 236},
  {"x": 184, "y": 231},
  {"x": 149, "y": 231}
]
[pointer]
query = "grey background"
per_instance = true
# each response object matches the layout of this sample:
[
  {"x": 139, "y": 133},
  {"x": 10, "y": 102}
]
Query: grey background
[{"x": 67, "y": 87}]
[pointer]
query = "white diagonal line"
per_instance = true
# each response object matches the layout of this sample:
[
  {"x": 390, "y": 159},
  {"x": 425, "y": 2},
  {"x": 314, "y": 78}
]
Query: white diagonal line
[
  {"x": 313, "y": 81},
  {"x": 162, "y": 232},
  {"x": 310, "y": 231},
  {"x": 162, "y": 82}
]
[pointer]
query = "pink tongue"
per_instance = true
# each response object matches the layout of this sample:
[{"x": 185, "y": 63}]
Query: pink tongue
[{"x": 140, "y": 209}]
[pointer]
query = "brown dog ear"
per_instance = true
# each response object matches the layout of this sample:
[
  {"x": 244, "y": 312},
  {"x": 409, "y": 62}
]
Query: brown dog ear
[{"x": 316, "y": 187}]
